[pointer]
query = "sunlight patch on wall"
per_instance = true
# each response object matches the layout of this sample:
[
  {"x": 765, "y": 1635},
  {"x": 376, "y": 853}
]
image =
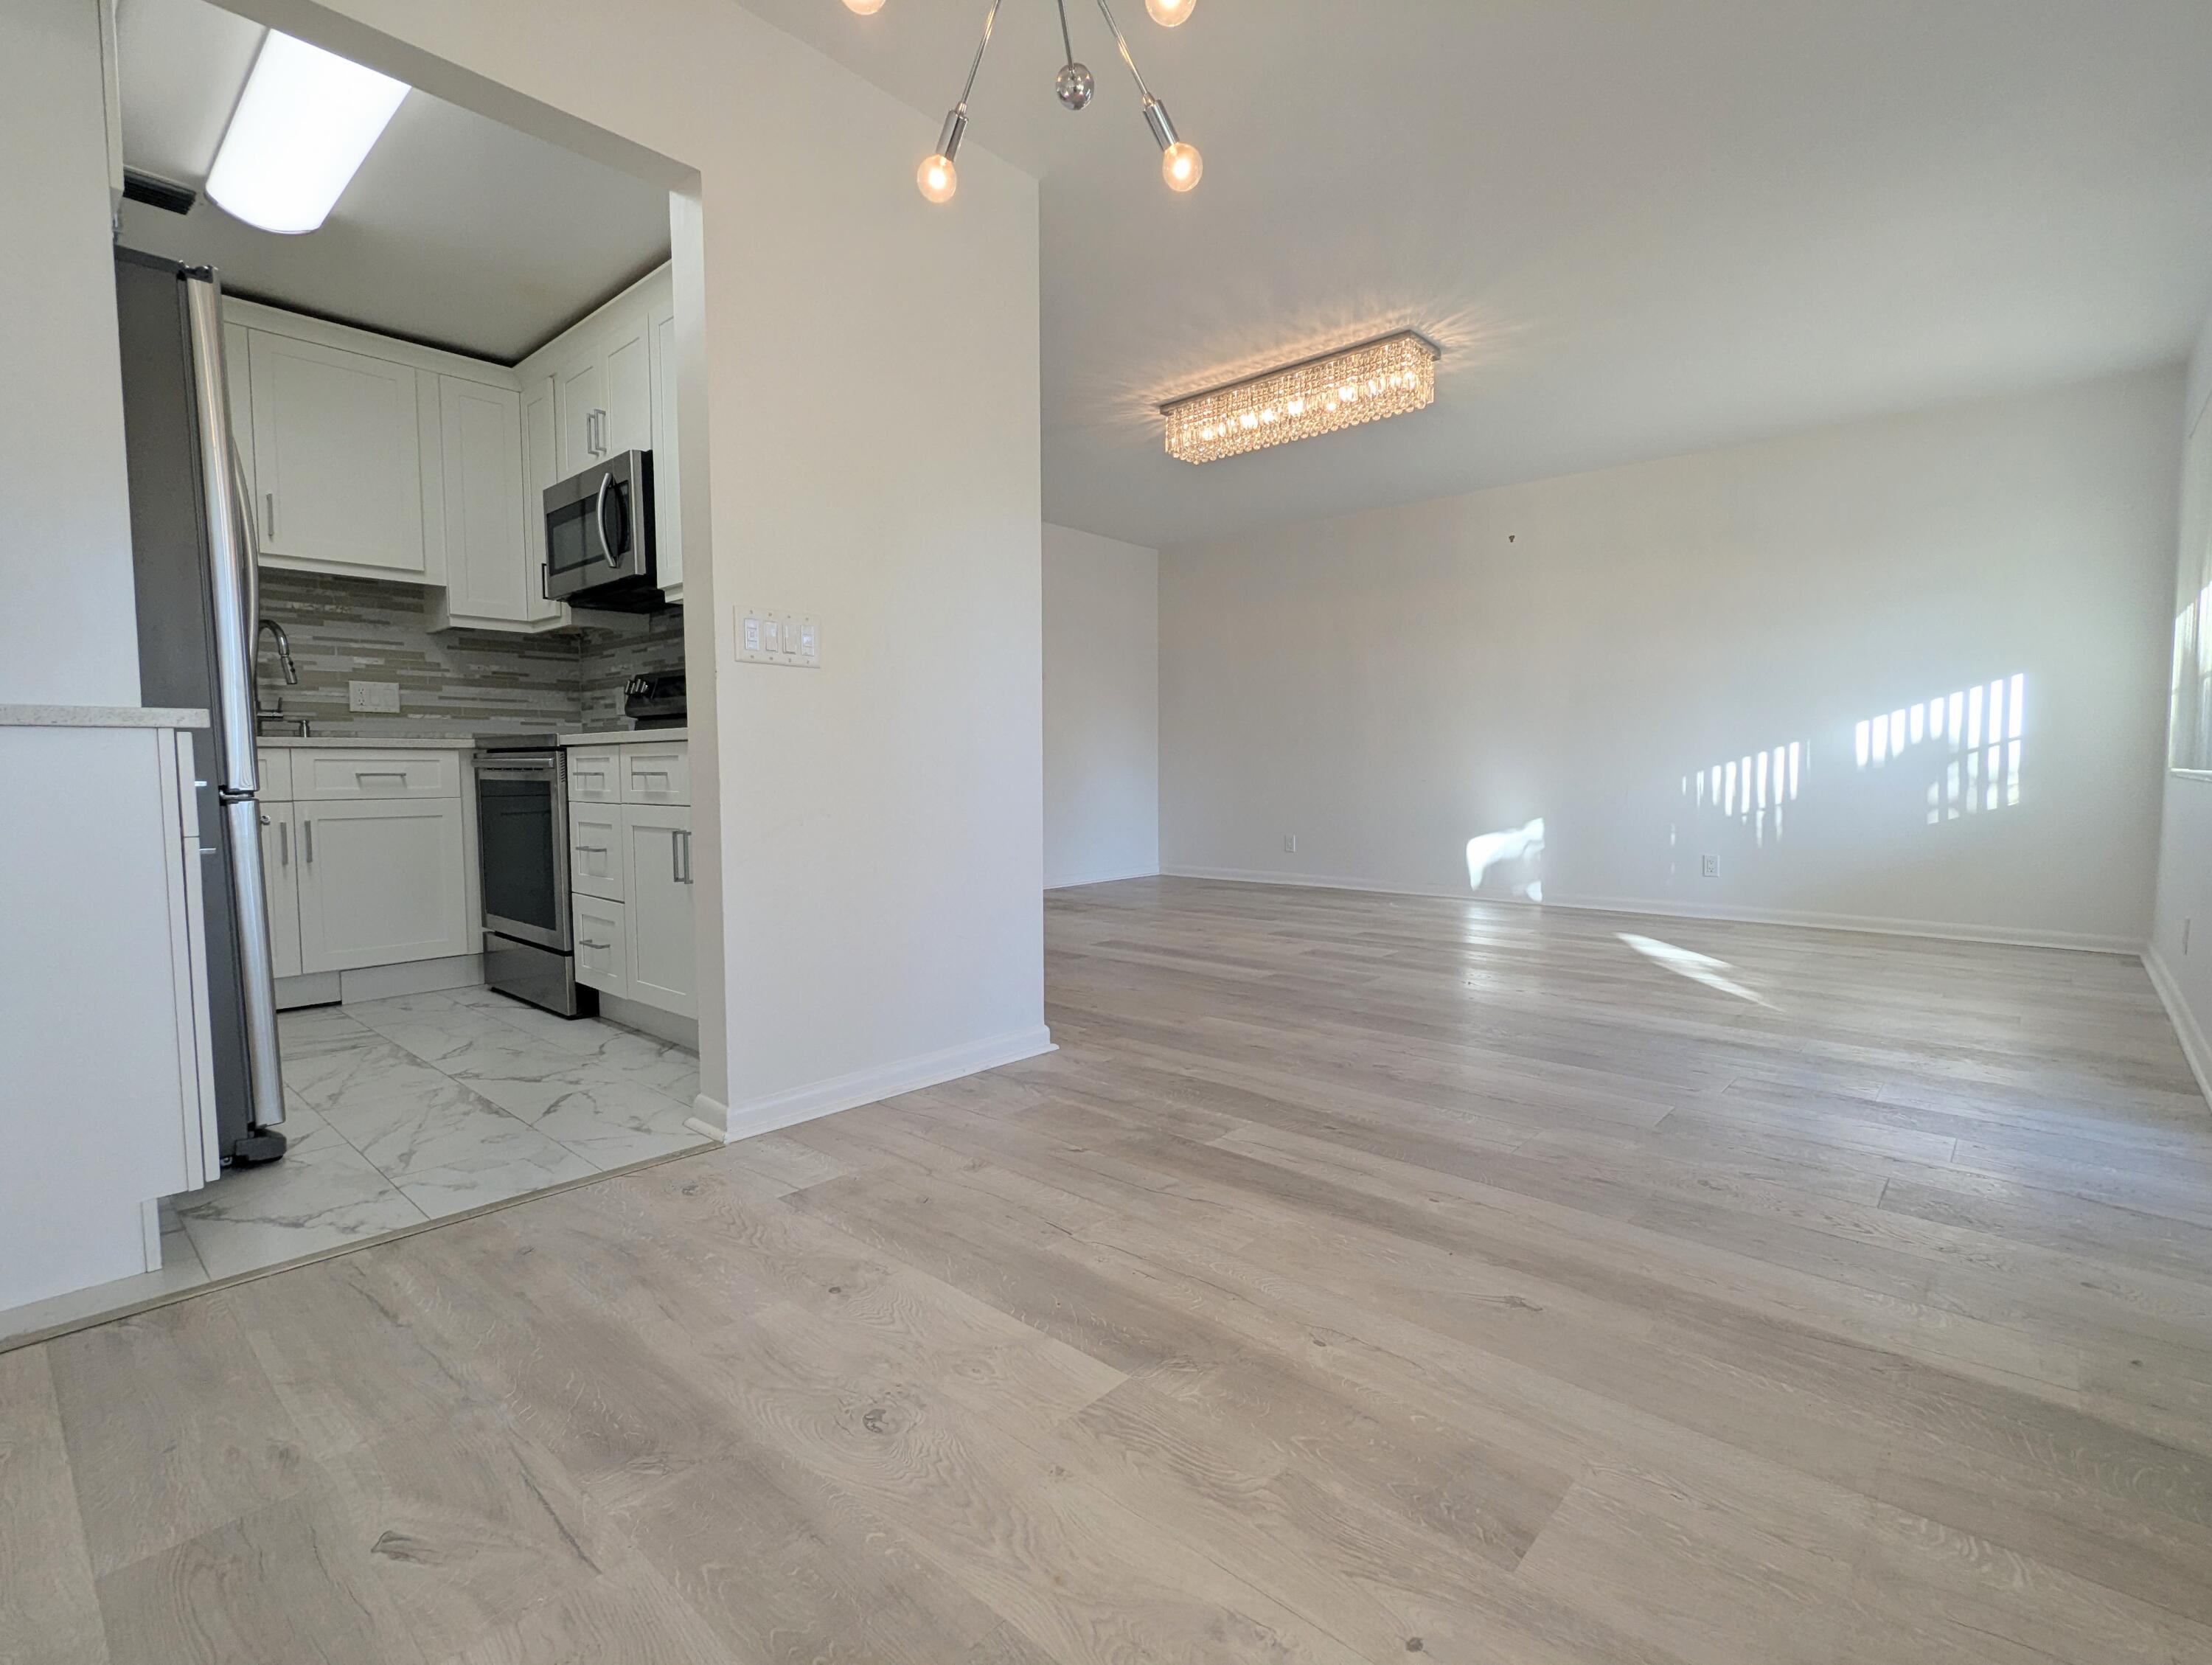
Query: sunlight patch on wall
[
  {"x": 1754, "y": 790},
  {"x": 1983, "y": 729},
  {"x": 1521, "y": 845}
]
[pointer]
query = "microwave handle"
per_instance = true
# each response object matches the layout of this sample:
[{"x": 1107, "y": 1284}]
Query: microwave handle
[{"x": 599, "y": 520}]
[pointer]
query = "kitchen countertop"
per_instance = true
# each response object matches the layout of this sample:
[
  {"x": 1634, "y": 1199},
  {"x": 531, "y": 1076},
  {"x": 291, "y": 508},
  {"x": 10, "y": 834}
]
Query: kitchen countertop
[
  {"x": 605, "y": 737},
  {"x": 102, "y": 716},
  {"x": 378, "y": 742}
]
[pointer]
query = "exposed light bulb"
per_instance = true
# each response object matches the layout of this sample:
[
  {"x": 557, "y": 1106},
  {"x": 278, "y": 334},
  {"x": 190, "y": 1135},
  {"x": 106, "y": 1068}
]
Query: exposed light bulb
[
  {"x": 1166, "y": 13},
  {"x": 863, "y": 7},
  {"x": 937, "y": 176},
  {"x": 1180, "y": 166}
]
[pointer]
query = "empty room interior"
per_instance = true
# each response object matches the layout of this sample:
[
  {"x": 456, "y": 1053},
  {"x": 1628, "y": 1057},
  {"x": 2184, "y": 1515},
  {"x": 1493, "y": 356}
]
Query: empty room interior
[{"x": 1434, "y": 892}]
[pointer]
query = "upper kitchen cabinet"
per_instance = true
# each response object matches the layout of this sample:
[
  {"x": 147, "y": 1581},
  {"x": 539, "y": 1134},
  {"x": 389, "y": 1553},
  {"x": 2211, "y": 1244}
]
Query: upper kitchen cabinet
[
  {"x": 337, "y": 462},
  {"x": 605, "y": 387},
  {"x": 481, "y": 512},
  {"x": 667, "y": 494}
]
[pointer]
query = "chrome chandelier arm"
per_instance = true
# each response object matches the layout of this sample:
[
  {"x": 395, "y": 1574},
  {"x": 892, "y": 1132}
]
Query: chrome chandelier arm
[
  {"x": 1066, "y": 40},
  {"x": 1121, "y": 44}
]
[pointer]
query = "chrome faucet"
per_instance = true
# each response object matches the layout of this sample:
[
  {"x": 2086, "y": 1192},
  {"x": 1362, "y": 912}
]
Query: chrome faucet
[{"x": 283, "y": 650}]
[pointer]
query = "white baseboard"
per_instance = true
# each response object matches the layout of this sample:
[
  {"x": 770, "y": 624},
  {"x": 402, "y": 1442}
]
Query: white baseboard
[
  {"x": 2194, "y": 1046},
  {"x": 1872, "y": 924},
  {"x": 846, "y": 1092},
  {"x": 1152, "y": 870}
]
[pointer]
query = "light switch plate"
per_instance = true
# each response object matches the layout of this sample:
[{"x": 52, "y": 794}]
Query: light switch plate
[
  {"x": 372, "y": 696},
  {"x": 751, "y": 648},
  {"x": 770, "y": 638}
]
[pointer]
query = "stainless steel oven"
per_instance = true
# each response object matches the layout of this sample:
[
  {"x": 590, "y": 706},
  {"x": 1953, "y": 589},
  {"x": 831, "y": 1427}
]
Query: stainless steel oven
[
  {"x": 522, "y": 848},
  {"x": 599, "y": 536}
]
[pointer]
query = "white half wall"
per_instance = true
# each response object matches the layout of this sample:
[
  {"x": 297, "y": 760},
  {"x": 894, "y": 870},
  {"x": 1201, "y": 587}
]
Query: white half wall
[
  {"x": 2180, "y": 958},
  {"x": 1102, "y": 709},
  {"x": 1583, "y": 653},
  {"x": 67, "y": 632}
]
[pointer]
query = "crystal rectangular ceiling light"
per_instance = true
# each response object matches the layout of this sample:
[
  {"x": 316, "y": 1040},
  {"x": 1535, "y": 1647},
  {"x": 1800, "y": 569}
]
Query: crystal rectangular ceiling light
[{"x": 1376, "y": 379}]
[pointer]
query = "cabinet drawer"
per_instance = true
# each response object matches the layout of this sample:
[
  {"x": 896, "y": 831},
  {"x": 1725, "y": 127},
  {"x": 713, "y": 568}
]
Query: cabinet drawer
[
  {"x": 367, "y": 774},
  {"x": 595, "y": 775},
  {"x": 602, "y": 952},
  {"x": 275, "y": 776},
  {"x": 657, "y": 773},
  {"x": 595, "y": 851}
]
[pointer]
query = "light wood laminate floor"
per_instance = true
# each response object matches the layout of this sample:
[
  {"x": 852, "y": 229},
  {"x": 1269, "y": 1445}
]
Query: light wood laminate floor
[{"x": 1364, "y": 1277}]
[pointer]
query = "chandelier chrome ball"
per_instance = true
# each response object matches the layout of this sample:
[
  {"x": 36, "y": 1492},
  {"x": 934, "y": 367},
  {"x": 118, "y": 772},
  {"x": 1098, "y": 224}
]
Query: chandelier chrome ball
[{"x": 1075, "y": 85}]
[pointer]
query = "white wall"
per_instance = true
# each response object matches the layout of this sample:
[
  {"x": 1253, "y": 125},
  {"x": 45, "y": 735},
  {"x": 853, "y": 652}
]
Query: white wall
[
  {"x": 1389, "y": 686},
  {"x": 66, "y": 539},
  {"x": 2180, "y": 955},
  {"x": 859, "y": 414},
  {"x": 1102, "y": 709}
]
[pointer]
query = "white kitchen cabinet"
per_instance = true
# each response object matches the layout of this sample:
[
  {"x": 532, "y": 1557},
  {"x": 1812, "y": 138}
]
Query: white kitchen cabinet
[
  {"x": 382, "y": 880},
  {"x": 602, "y": 933},
  {"x": 595, "y": 775},
  {"x": 492, "y": 581},
  {"x": 337, "y": 464},
  {"x": 595, "y": 850},
  {"x": 606, "y": 388},
  {"x": 662, "y": 969},
  {"x": 667, "y": 487},
  {"x": 541, "y": 467},
  {"x": 280, "y": 882}
]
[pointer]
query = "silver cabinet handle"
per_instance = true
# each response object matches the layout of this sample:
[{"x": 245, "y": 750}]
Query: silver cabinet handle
[
  {"x": 379, "y": 775},
  {"x": 269, "y": 498},
  {"x": 685, "y": 878},
  {"x": 307, "y": 841},
  {"x": 674, "y": 856},
  {"x": 593, "y": 849},
  {"x": 283, "y": 844},
  {"x": 588, "y": 943}
]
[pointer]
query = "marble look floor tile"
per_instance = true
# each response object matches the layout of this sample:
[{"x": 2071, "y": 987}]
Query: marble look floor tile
[
  {"x": 607, "y": 1121},
  {"x": 324, "y": 1075},
  {"x": 451, "y": 1150},
  {"x": 660, "y": 1064},
  {"x": 323, "y": 1195},
  {"x": 317, "y": 1022},
  {"x": 584, "y": 1038}
]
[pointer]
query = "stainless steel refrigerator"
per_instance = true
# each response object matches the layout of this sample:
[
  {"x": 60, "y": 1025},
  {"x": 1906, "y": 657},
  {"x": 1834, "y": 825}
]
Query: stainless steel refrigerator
[{"x": 198, "y": 593}]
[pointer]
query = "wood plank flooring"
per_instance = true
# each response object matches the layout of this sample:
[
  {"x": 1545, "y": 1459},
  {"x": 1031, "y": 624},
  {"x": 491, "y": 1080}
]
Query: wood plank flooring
[{"x": 1364, "y": 1277}]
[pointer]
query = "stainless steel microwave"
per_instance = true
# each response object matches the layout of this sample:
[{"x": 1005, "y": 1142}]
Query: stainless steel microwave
[{"x": 599, "y": 536}]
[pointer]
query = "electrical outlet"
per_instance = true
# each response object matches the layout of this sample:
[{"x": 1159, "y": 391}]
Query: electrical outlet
[
  {"x": 1290, "y": 843},
  {"x": 1710, "y": 867},
  {"x": 373, "y": 696}
]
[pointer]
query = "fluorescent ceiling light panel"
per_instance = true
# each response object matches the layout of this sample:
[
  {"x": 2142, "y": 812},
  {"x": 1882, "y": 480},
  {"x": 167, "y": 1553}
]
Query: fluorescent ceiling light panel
[
  {"x": 305, "y": 123},
  {"x": 1361, "y": 383}
]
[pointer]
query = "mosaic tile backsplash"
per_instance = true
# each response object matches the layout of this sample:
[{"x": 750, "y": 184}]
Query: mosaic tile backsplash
[{"x": 454, "y": 682}]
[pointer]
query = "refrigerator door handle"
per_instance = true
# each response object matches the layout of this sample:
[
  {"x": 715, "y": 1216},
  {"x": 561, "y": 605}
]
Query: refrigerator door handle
[{"x": 234, "y": 587}]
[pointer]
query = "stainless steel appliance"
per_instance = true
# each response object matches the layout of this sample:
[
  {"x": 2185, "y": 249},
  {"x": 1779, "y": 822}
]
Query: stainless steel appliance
[
  {"x": 198, "y": 596},
  {"x": 522, "y": 848},
  {"x": 656, "y": 701},
  {"x": 600, "y": 537}
]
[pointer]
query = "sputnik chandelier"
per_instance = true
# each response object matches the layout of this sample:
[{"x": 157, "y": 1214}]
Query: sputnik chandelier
[{"x": 1180, "y": 163}]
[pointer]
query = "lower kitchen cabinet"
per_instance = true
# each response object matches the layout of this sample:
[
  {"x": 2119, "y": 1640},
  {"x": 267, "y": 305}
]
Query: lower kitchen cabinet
[
  {"x": 280, "y": 879},
  {"x": 381, "y": 881},
  {"x": 657, "y": 870},
  {"x": 602, "y": 933}
]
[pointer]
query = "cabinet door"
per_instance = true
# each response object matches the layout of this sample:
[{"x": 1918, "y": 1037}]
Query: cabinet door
[
  {"x": 628, "y": 383},
  {"x": 381, "y": 881},
  {"x": 337, "y": 473},
  {"x": 656, "y": 857},
  {"x": 582, "y": 384},
  {"x": 486, "y": 571},
  {"x": 541, "y": 467},
  {"x": 279, "y": 879},
  {"x": 667, "y": 492}
]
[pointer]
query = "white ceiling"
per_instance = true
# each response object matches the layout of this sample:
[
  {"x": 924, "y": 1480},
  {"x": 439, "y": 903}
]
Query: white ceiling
[
  {"x": 1639, "y": 226},
  {"x": 457, "y": 231}
]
